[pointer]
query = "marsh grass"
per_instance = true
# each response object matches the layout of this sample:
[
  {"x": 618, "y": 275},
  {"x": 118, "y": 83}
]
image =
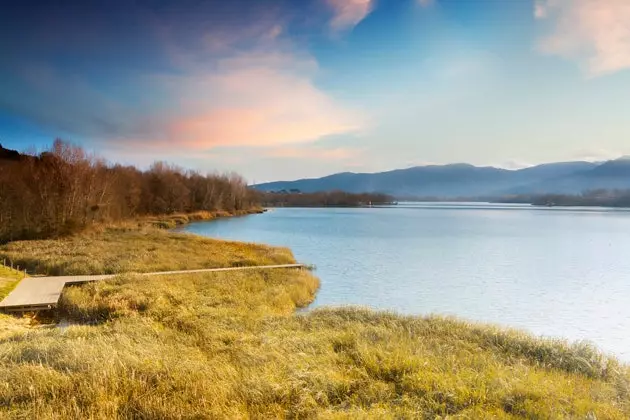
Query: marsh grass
[
  {"x": 9, "y": 278},
  {"x": 230, "y": 345},
  {"x": 122, "y": 249},
  {"x": 174, "y": 220}
]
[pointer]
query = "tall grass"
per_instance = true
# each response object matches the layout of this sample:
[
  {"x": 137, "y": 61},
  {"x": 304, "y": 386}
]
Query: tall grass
[
  {"x": 230, "y": 345},
  {"x": 9, "y": 278},
  {"x": 122, "y": 249},
  {"x": 174, "y": 220}
]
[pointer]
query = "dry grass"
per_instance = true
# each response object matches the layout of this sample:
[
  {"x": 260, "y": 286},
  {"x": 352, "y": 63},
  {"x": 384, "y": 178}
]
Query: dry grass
[
  {"x": 8, "y": 280},
  {"x": 10, "y": 325},
  {"x": 229, "y": 345},
  {"x": 174, "y": 220},
  {"x": 121, "y": 249}
]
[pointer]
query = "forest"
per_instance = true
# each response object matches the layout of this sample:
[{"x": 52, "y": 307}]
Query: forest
[
  {"x": 590, "y": 198},
  {"x": 594, "y": 198},
  {"x": 64, "y": 189}
]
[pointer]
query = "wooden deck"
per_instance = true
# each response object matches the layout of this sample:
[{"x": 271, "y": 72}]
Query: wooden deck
[{"x": 43, "y": 293}]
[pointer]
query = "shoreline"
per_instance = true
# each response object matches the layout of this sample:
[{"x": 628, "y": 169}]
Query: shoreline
[
  {"x": 240, "y": 344},
  {"x": 606, "y": 343},
  {"x": 179, "y": 219}
]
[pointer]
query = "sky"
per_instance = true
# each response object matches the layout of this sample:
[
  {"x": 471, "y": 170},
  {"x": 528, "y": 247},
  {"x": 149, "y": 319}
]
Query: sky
[{"x": 283, "y": 89}]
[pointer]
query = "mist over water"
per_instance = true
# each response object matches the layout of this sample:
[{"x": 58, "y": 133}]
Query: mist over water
[{"x": 552, "y": 271}]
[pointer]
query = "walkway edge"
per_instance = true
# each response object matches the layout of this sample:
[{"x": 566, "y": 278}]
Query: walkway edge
[{"x": 43, "y": 293}]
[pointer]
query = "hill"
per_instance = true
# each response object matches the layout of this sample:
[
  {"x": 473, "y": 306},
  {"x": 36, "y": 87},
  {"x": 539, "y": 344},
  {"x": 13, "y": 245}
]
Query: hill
[
  {"x": 464, "y": 180},
  {"x": 611, "y": 175}
]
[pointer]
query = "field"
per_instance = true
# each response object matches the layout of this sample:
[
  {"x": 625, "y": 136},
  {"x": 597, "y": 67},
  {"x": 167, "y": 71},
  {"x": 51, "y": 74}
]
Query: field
[
  {"x": 231, "y": 345},
  {"x": 115, "y": 250}
]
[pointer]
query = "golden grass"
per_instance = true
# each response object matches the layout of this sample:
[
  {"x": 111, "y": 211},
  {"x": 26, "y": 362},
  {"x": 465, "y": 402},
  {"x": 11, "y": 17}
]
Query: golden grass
[
  {"x": 174, "y": 220},
  {"x": 130, "y": 249},
  {"x": 8, "y": 280},
  {"x": 230, "y": 345}
]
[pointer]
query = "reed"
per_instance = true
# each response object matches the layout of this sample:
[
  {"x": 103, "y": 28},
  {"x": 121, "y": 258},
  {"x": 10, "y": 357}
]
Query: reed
[
  {"x": 231, "y": 345},
  {"x": 129, "y": 248}
]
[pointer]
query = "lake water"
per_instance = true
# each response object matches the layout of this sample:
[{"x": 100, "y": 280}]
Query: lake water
[{"x": 552, "y": 271}]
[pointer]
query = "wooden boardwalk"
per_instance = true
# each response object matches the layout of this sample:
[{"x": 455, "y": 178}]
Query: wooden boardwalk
[{"x": 43, "y": 293}]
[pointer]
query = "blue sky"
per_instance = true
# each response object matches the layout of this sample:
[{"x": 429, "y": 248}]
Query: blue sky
[{"x": 289, "y": 89}]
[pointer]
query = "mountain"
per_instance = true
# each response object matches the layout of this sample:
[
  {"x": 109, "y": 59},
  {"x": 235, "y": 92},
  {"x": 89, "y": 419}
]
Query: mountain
[
  {"x": 614, "y": 174},
  {"x": 464, "y": 180}
]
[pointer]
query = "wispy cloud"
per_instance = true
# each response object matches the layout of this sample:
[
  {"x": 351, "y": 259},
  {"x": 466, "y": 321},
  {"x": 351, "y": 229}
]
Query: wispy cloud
[
  {"x": 339, "y": 153},
  {"x": 254, "y": 88},
  {"x": 348, "y": 13},
  {"x": 597, "y": 154},
  {"x": 254, "y": 99},
  {"x": 596, "y": 33},
  {"x": 216, "y": 88}
]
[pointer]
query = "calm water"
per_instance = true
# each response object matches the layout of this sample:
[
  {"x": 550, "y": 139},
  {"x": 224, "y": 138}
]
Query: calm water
[{"x": 552, "y": 271}]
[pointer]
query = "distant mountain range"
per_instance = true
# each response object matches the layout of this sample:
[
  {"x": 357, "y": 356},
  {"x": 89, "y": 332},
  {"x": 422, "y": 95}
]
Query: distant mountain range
[{"x": 464, "y": 180}]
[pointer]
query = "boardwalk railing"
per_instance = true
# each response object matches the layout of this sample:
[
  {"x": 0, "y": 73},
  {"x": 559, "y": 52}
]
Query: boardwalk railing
[{"x": 10, "y": 267}]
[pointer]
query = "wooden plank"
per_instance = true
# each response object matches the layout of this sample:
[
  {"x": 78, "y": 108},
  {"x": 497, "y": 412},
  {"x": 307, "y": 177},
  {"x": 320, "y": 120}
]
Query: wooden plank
[{"x": 34, "y": 291}]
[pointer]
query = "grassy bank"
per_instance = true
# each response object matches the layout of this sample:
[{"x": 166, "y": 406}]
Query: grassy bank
[
  {"x": 9, "y": 278},
  {"x": 130, "y": 249},
  {"x": 174, "y": 220},
  {"x": 229, "y": 345}
]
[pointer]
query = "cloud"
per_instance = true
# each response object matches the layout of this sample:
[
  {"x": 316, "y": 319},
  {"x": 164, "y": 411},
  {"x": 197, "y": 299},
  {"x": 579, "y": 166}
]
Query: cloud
[
  {"x": 252, "y": 99},
  {"x": 348, "y": 13},
  {"x": 513, "y": 164},
  {"x": 215, "y": 88},
  {"x": 540, "y": 10},
  {"x": 338, "y": 153},
  {"x": 596, "y": 154},
  {"x": 596, "y": 33}
]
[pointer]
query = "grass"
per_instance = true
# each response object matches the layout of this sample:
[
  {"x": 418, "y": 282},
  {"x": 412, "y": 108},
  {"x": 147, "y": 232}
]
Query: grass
[
  {"x": 230, "y": 345},
  {"x": 174, "y": 220},
  {"x": 115, "y": 250},
  {"x": 222, "y": 345},
  {"x": 8, "y": 280}
]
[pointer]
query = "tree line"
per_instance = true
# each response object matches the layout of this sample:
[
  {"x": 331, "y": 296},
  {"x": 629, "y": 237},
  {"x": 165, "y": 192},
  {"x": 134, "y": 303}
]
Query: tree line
[
  {"x": 598, "y": 198},
  {"x": 65, "y": 189},
  {"x": 295, "y": 198}
]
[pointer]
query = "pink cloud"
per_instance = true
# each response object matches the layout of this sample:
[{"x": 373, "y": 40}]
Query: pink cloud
[
  {"x": 247, "y": 89},
  {"x": 594, "y": 32},
  {"x": 254, "y": 99},
  {"x": 253, "y": 87},
  {"x": 348, "y": 13}
]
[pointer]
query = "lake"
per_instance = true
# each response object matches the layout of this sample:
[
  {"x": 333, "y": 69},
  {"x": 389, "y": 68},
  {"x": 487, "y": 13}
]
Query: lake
[{"x": 557, "y": 272}]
